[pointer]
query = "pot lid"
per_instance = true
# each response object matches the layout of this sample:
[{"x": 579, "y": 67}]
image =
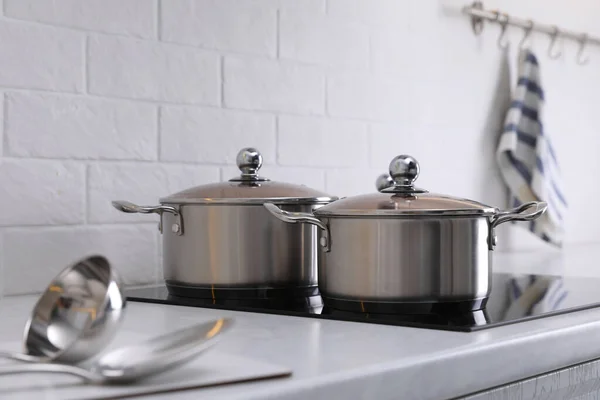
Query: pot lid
[
  {"x": 398, "y": 196},
  {"x": 249, "y": 188}
]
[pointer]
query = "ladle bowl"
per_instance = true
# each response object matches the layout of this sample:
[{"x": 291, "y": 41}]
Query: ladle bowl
[{"x": 76, "y": 317}]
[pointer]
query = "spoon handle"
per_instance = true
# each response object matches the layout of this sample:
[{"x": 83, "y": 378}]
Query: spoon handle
[{"x": 51, "y": 368}]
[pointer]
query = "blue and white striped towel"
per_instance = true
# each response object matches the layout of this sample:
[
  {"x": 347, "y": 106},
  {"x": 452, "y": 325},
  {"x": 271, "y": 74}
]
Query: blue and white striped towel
[{"x": 526, "y": 157}]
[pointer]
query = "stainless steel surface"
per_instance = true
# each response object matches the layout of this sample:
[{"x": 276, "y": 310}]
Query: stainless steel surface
[
  {"x": 129, "y": 207},
  {"x": 77, "y": 315},
  {"x": 230, "y": 240},
  {"x": 383, "y": 181},
  {"x": 520, "y": 213},
  {"x": 399, "y": 198},
  {"x": 248, "y": 188},
  {"x": 249, "y": 160},
  {"x": 502, "y": 42},
  {"x": 478, "y": 15},
  {"x": 476, "y": 22},
  {"x": 142, "y": 360},
  {"x": 250, "y": 201},
  {"x": 554, "y": 52},
  {"x": 405, "y": 244},
  {"x": 581, "y": 59},
  {"x": 236, "y": 246},
  {"x": 296, "y": 217},
  {"x": 404, "y": 260},
  {"x": 394, "y": 206},
  {"x": 526, "y": 34},
  {"x": 404, "y": 170}
]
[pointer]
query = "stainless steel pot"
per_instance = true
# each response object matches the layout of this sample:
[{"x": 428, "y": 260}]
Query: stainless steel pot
[
  {"x": 219, "y": 240},
  {"x": 405, "y": 245}
]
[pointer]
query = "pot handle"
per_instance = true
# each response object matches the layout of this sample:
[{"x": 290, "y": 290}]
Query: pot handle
[
  {"x": 303, "y": 218},
  {"x": 520, "y": 213},
  {"x": 128, "y": 207}
]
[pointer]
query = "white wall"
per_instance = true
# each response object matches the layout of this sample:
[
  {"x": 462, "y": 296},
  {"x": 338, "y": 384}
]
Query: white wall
[{"x": 136, "y": 99}]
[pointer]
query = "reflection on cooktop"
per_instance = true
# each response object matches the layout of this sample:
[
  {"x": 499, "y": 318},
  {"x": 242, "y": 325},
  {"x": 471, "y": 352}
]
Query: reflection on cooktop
[
  {"x": 160, "y": 294},
  {"x": 514, "y": 298}
]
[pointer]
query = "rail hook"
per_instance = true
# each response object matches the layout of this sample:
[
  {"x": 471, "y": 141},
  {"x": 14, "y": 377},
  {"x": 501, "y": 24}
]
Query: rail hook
[
  {"x": 553, "y": 51},
  {"x": 526, "y": 35},
  {"x": 502, "y": 42},
  {"x": 581, "y": 59},
  {"x": 477, "y": 22}
]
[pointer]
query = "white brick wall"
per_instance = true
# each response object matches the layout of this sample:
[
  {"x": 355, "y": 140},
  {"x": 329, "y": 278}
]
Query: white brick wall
[
  {"x": 42, "y": 192},
  {"x": 129, "y": 17},
  {"x": 139, "y": 69},
  {"x": 272, "y": 85},
  {"x": 187, "y": 134},
  {"x": 245, "y": 26},
  {"x": 40, "y": 57},
  {"x": 79, "y": 127},
  {"x": 316, "y": 141},
  {"x": 323, "y": 41},
  {"x": 137, "y": 99}
]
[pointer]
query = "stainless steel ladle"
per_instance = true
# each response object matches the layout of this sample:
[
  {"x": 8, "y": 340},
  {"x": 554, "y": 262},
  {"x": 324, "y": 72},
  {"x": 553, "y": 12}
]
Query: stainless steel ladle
[{"x": 77, "y": 315}]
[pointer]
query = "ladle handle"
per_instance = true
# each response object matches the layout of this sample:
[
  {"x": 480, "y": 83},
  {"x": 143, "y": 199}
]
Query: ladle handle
[
  {"x": 53, "y": 369},
  {"x": 24, "y": 357}
]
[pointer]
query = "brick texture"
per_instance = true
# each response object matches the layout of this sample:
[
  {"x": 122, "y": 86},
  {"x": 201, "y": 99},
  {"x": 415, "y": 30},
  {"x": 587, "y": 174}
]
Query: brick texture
[
  {"x": 255, "y": 84},
  {"x": 38, "y": 57},
  {"x": 247, "y": 26},
  {"x": 41, "y": 192},
  {"x": 187, "y": 134},
  {"x": 79, "y": 127},
  {"x": 1, "y": 124},
  {"x": 137, "y": 69},
  {"x": 314, "y": 141},
  {"x": 367, "y": 96},
  {"x": 130, "y": 17},
  {"x": 323, "y": 41},
  {"x": 351, "y": 181}
]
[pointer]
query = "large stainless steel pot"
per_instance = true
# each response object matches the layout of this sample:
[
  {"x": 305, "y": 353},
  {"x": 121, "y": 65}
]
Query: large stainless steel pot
[
  {"x": 220, "y": 242},
  {"x": 405, "y": 245}
]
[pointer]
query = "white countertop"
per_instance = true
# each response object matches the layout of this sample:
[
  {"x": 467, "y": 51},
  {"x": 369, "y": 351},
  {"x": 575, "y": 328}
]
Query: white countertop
[{"x": 333, "y": 359}]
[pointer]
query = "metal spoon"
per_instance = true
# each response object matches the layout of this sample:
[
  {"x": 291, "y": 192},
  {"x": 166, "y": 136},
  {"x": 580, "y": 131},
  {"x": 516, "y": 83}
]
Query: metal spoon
[
  {"x": 77, "y": 315},
  {"x": 142, "y": 360}
]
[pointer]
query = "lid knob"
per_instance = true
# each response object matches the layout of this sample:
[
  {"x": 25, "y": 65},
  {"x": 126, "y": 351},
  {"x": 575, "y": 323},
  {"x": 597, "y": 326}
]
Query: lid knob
[
  {"x": 384, "y": 181},
  {"x": 404, "y": 170},
  {"x": 249, "y": 160}
]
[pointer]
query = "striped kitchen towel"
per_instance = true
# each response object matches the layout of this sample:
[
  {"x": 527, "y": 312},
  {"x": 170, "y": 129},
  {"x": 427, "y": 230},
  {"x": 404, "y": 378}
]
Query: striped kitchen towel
[{"x": 526, "y": 157}]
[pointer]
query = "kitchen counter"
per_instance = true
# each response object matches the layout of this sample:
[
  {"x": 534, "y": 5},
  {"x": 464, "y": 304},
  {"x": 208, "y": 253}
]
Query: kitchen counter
[{"x": 334, "y": 359}]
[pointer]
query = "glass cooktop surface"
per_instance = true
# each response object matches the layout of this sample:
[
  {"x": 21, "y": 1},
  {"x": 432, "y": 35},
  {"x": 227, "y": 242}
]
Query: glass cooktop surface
[{"x": 514, "y": 298}]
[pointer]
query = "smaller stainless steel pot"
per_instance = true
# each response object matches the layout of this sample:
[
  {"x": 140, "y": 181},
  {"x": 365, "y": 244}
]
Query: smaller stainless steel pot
[
  {"x": 220, "y": 242},
  {"x": 406, "y": 245}
]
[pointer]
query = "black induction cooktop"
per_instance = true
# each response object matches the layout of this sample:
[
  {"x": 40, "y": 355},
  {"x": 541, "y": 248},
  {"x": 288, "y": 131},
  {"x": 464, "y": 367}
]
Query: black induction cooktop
[{"x": 514, "y": 299}]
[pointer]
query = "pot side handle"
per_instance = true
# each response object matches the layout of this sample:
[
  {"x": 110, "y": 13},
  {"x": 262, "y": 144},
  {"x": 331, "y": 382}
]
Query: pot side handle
[
  {"x": 128, "y": 207},
  {"x": 303, "y": 218},
  {"x": 521, "y": 213}
]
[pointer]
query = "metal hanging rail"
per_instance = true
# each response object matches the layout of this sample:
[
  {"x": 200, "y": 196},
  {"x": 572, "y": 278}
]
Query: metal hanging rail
[{"x": 479, "y": 15}]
